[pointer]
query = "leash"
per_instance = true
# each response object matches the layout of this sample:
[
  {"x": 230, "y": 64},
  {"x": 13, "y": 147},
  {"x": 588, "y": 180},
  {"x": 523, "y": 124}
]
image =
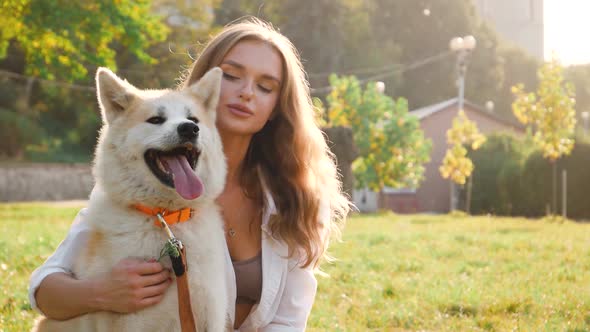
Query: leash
[{"x": 178, "y": 258}]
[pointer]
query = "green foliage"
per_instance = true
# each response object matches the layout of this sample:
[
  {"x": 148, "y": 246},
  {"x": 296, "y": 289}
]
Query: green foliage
[
  {"x": 379, "y": 37},
  {"x": 400, "y": 22},
  {"x": 320, "y": 116},
  {"x": 67, "y": 123},
  {"x": 189, "y": 25},
  {"x": 537, "y": 171},
  {"x": 60, "y": 39},
  {"x": 512, "y": 179},
  {"x": 73, "y": 39},
  {"x": 496, "y": 179},
  {"x": 578, "y": 173},
  {"x": 535, "y": 181},
  {"x": 391, "y": 144},
  {"x": 169, "y": 249},
  {"x": 16, "y": 131},
  {"x": 331, "y": 35},
  {"x": 579, "y": 76},
  {"x": 549, "y": 112},
  {"x": 519, "y": 68}
]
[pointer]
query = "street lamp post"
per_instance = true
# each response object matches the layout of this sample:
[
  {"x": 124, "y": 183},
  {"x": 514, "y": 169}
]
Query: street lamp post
[
  {"x": 585, "y": 117},
  {"x": 462, "y": 46}
]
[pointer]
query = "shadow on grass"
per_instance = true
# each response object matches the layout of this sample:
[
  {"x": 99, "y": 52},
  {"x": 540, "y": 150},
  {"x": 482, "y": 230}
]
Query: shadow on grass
[
  {"x": 516, "y": 230},
  {"x": 458, "y": 310}
]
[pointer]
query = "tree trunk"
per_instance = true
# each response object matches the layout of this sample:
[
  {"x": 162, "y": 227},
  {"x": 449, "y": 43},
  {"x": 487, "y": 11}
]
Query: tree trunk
[
  {"x": 554, "y": 203},
  {"x": 468, "y": 198}
]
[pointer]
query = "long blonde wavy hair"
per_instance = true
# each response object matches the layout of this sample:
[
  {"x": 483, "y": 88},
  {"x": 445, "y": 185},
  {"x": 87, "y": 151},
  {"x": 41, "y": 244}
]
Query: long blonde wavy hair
[{"x": 290, "y": 151}]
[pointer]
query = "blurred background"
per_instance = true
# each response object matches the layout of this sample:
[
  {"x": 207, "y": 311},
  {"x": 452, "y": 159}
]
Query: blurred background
[
  {"x": 419, "y": 65},
  {"x": 460, "y": 128}
]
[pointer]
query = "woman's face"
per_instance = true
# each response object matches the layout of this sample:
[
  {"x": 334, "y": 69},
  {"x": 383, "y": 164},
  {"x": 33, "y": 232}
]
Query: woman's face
[{"x": 250, "y": 88}]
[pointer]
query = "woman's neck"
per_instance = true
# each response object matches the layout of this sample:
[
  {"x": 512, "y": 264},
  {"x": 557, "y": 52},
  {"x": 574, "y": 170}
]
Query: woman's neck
[{"x": 235, "y": 149}]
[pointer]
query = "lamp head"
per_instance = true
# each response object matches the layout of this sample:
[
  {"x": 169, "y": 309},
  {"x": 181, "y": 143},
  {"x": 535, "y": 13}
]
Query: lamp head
[
  {"x": 469, "y": 42},
  {"x": 456, "y": 44},
  {"x": 380, "y": 86}
]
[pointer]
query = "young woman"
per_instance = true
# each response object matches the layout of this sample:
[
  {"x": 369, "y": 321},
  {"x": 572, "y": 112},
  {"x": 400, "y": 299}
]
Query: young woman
[{"x": 281, "y": 201}]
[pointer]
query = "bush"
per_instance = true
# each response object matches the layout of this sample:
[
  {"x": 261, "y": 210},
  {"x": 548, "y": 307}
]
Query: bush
[
  {"x": 509, "y": 188},
  {"x": 536, "y": 179},
  {"x": 16, "y": 131},
  {"x": 577, "y": 165},
  {"x": 510, "y": 179},
  {"x": 495, "y": 177}
]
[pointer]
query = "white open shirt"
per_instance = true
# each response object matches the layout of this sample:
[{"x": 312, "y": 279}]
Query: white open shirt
[{"x": 288, "y": 291}]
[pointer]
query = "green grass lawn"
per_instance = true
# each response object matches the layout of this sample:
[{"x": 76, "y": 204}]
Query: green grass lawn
[{"x": 393, "y": 273}]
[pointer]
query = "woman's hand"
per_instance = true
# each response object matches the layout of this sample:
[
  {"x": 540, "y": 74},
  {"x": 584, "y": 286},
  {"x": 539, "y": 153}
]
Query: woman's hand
[{"x": 131, "y": 285}]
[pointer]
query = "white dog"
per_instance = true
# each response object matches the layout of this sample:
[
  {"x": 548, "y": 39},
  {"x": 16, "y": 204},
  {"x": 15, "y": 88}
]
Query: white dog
[{"x": 160, "y": 149}]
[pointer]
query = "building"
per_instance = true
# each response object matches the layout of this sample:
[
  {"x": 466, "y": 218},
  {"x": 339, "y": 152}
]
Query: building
[
  {"x": 434, "y": 192},
  {"x": 433, "y": 195},
  {"x": 518, "y": 21}
]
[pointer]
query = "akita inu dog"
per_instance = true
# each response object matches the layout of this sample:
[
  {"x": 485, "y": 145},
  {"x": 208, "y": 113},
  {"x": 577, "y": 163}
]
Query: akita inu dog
[{"x": 157, "y": 149}]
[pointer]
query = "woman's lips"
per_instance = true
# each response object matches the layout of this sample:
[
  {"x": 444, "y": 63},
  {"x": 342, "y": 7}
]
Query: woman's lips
[{"x": 240, "y": 110}]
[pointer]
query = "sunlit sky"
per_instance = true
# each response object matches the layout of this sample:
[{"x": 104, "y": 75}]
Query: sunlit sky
[{"x": 567, "y": 25}]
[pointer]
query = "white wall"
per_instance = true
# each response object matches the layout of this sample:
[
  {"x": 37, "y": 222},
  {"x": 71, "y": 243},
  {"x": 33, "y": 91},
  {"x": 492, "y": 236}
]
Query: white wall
[
  {"x": 365, "y": 200},
  {"x": 45, "y": 182}
]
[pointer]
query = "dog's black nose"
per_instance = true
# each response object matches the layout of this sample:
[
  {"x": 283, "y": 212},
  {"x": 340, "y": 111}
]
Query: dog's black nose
[{"x": 188, "y": 130}]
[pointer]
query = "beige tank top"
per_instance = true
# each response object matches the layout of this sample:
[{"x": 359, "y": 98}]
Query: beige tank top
[{"x": 248, "y": 279}]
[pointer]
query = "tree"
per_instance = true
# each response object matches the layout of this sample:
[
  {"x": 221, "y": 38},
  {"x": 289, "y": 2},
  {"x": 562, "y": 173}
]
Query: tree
[
  {"x": 436, "y": 23},
  {"x": 456, "y": 164},
  {"x": 497, "y": 175},
  {"x": 332, "y": 36},
  {"x": 378, "y": 38},
  {"x": 519, "y": 67},
  {"x": 128, "y": 35},
  {"x": 549, "y": 114},
  {"x": 190, "y": 23},
  {"x": 60, "y": 39},
  {"x": 391, "y": 144}
]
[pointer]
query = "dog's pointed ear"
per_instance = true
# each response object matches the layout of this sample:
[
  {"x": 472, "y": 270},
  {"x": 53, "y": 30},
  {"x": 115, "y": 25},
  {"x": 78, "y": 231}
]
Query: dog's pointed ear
[
  {"x": 114, "y": 94},
  {"x": 208, "y": 88}
]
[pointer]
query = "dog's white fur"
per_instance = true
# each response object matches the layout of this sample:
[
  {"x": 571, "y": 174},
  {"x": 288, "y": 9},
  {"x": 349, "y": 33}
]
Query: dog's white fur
[{"x": 123, "y": 178}]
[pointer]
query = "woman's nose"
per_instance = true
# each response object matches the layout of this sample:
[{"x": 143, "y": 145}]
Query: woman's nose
[{"x": 247, "y": 90}]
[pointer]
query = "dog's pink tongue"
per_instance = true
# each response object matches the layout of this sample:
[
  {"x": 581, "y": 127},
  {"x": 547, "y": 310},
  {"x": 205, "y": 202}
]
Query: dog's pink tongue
[{"x": 186, "y": 182}]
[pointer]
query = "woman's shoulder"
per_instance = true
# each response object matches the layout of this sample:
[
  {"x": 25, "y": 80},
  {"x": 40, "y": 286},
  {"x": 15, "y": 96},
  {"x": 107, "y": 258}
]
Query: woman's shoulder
[
  {"x": 79, "y": 228},
  {"x": 79, "y": 224}
]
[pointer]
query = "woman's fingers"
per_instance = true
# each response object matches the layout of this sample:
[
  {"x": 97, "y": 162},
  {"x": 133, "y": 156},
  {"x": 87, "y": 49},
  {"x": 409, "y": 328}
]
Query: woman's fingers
[
  {"x": 156, "y": 278},
  {"x": 150, "y": 301},
  {"x": 146, "y": 268},
  {"x": 155, "y": 290}
]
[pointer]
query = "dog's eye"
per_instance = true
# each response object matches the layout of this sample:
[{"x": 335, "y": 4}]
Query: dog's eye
[
  {"x": 193, "y": 119},
  {"x": 156, "y": 120}
]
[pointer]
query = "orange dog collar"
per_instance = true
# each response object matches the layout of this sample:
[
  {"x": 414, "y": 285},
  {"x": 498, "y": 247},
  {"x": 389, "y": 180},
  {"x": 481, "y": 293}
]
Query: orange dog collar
[{"x": 171, "y": 217}]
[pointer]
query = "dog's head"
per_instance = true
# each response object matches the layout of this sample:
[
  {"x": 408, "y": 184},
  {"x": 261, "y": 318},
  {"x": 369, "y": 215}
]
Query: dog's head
[{"x": 159, "y": 147}]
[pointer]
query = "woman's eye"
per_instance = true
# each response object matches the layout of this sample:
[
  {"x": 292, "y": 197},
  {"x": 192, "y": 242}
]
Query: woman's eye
[
  {"x": 193, "y": 119},
  {"x": 156, "y": 120},
  {"x": 264, "y": 89},
  {"x": 229, "y": 77}
]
